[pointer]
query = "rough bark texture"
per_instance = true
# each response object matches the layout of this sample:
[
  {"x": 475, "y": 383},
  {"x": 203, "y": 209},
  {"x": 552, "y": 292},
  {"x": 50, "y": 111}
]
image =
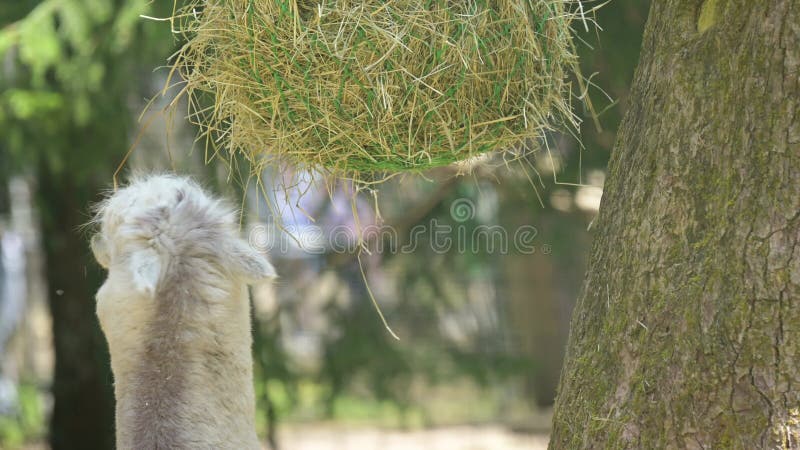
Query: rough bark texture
[{"x": 687, "y": 334}]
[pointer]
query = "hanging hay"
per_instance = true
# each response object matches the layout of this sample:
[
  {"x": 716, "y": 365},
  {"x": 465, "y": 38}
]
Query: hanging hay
[{"x": 374, "y": 86}]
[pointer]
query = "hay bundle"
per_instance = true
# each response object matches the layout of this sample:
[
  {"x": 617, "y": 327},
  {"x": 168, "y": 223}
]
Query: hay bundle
[{"x": 369, "y": 86}]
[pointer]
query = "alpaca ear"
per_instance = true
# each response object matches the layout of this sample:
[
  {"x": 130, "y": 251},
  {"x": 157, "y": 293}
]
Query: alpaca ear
[
  {"x": 145, "y": 270},
  {"x": 100, "y": 250},
  {"x": 249, "y": 263}
]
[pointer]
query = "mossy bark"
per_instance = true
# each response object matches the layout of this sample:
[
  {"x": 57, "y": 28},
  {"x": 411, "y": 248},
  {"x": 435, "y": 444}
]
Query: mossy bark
[{"x": 687, "y": 334}]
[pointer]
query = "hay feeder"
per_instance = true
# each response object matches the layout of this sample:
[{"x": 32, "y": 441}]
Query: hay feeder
[{"x": 359, "y": 87}]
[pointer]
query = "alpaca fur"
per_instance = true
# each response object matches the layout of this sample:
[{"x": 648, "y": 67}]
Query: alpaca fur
[{"x": 176, "y": 315}]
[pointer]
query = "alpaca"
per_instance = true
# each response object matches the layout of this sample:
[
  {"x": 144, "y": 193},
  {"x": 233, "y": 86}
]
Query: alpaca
[{"x": 175, "y": 312}]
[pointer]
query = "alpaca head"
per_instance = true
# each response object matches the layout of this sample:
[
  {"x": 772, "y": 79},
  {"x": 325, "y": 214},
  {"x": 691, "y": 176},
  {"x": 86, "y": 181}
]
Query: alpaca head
[
  {"x": 164, "y": 236},
  {"x": 154, "y": 220}
]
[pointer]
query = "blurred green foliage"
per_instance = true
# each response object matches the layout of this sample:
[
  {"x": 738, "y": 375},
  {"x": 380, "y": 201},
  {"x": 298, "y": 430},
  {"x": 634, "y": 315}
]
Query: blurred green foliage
[
  {"x": 70, "y": 66},
  {"x": 28, "y": 423},
  {"x": 608, "y": 57}
]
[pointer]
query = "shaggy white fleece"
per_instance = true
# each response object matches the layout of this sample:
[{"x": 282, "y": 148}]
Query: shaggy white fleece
[{"x": 176, "y": 315}]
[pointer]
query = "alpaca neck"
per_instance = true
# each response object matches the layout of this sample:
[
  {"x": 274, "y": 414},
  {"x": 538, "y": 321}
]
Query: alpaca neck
[{"x": 191, "y": 383}]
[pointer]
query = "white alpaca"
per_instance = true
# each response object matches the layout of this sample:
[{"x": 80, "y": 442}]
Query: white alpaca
[{"x": 176, "y": 315}]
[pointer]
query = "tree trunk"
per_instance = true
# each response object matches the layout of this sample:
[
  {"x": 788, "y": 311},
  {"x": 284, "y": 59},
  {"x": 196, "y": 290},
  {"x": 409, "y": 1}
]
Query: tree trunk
[
  {"x": 687, "y": 334},
  {"x": 83, "y": 409}
]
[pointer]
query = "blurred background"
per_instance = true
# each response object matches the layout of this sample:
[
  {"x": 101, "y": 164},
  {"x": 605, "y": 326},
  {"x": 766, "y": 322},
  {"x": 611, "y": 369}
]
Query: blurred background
[{"x": 483, "y": 326}]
